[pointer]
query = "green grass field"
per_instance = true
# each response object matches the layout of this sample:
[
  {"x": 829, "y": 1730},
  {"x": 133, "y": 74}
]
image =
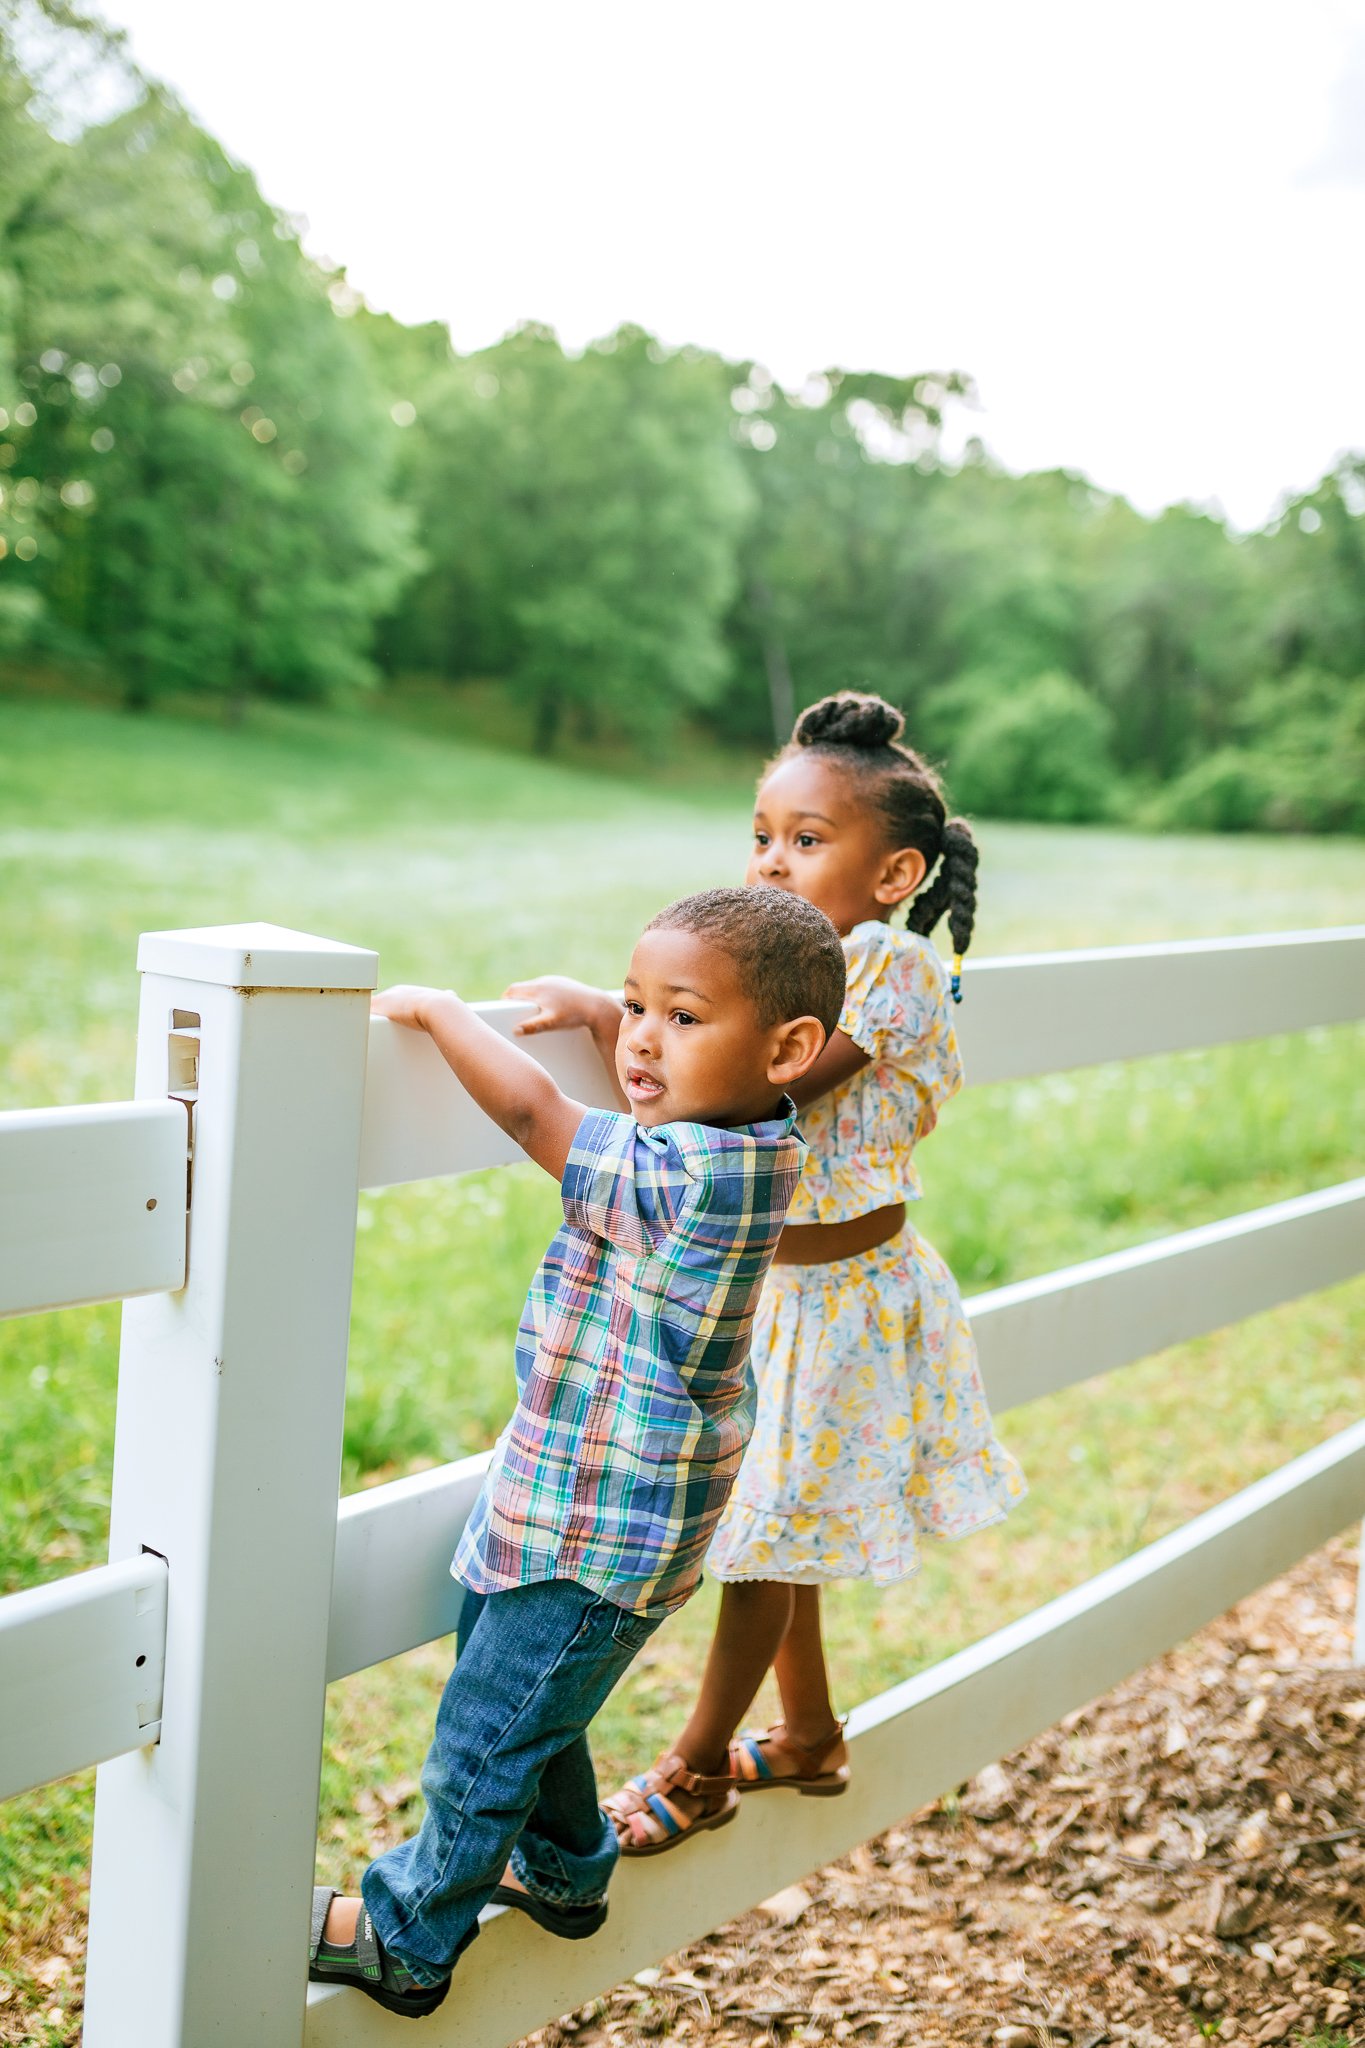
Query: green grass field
[{"x": 471, "y": 866}]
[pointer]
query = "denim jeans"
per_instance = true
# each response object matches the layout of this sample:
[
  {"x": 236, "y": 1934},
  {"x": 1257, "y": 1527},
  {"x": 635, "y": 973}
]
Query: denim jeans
[{"x": 508, "y": 1774}]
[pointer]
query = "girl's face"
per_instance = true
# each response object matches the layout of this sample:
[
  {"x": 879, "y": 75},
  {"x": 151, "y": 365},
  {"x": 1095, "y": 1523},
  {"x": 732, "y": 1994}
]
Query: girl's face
[{"x": 816, "y": 835}]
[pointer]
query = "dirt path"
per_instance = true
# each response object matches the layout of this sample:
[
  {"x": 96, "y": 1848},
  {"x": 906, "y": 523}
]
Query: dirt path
[{"x": 1183, "y": 1860}]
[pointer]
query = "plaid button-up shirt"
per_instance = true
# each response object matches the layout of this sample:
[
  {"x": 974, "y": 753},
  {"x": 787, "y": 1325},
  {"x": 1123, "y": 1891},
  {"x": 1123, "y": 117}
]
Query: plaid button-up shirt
[{"x": 635, "y": 1394}]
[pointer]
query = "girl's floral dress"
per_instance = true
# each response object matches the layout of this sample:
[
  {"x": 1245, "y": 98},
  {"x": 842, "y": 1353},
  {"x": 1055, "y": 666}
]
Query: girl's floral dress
[{"x": 873, "y": 1428}]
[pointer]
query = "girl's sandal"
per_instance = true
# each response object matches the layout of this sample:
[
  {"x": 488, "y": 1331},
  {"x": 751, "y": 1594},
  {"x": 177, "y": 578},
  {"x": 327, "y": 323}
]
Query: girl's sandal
[
  {"x": 643, "y": 1807},
  {"x": 810, "y": 1775},
  {"x": 365, "y": 1963}
]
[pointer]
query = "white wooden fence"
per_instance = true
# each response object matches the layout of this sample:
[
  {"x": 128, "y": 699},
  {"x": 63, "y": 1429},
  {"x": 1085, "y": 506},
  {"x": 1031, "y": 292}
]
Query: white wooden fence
[{"x": 192, "y": 1668}]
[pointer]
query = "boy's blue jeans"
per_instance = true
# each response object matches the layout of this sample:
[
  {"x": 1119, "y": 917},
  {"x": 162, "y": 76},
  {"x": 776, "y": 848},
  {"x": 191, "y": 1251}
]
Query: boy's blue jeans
[{"x": 508, "y": 1774}]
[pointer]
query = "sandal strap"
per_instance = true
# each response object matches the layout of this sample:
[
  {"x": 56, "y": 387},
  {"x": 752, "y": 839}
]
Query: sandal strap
[
  {"x": 323, "y": 1895},
  {"x": 645, "y": 1798},
  {"x": 674, "y": 1773},
  {"x": 747, "y": 1751},
  {"x": 372, "y": 1960},
  {"x": 814, "y": 1756}
]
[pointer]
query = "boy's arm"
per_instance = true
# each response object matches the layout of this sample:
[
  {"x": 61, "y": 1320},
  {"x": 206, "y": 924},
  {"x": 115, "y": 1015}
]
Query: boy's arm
[{"x": 508, "y": 1085}]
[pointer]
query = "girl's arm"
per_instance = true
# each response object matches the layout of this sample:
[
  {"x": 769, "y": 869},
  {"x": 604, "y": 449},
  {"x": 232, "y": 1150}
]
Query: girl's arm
[
  {"x": 565, "y": 1005},
  {"x": 508, "y": 1085},
  {"x": 839, "y": 1061}
]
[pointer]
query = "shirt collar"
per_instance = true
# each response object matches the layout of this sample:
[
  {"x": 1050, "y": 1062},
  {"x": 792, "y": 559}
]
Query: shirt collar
[{"x": 769, "y": 1130}]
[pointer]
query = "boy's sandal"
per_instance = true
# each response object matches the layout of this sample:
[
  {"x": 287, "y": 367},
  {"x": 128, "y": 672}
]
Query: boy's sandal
[
  {"x": 643, "y": 1807},
  {"x": 750, "y": 1755},
  {"x": 366, "y": 1964},
  {"x": 570, "y": 1923}
]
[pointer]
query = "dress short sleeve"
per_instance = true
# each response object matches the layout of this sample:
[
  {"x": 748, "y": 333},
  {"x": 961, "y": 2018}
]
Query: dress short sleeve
[
  {"x": 625, "y": 1184},
  {"x": 894, "y": 998}
]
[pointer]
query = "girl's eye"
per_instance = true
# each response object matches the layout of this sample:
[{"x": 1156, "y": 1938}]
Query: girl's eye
[
  {"x": 683, "y": 1017},
  {"x": 806, "y": 839},
  {"x": 760, "y": 839},
  {"x": 633, "y": 1008}
]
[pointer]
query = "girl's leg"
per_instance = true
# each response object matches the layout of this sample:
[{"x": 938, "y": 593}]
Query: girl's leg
[
  {"x": 801, "y": 1673},
  {"x": 754, "y": 1617}
]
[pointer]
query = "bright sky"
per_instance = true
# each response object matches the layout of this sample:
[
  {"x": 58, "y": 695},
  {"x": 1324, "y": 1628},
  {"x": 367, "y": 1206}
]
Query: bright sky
[{"x": 1141, "y": 228}]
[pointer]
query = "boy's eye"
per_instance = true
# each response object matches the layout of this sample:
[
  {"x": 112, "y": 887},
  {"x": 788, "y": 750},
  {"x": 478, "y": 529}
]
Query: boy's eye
[
  {"x": 760, "y": 839},
  {"x": 633, "y": 1008},
  {"x": 683, "y": 1017},
  {"x": 806, "y": 839}
]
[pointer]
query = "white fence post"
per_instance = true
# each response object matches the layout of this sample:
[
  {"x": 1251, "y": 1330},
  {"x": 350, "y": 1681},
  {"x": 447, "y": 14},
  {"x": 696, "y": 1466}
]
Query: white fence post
[{"x": 226, "y": 1462}]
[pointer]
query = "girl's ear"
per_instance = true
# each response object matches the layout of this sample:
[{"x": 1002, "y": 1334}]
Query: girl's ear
[
  {"x": 799, "y": 1046},
  {"x": 901, "y": 875}
]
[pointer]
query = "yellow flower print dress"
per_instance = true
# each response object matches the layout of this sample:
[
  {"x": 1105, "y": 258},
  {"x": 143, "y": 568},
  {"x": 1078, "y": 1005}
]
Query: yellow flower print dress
[{"x": 873, "y": 1428}]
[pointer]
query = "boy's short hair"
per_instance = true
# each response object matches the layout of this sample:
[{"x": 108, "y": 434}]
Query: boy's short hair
[{"x": 787, "y": 952}]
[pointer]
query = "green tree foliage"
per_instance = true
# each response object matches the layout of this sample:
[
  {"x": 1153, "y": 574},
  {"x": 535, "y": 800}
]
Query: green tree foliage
[
  {"x": 198, "y": 461},
  {"x": 1039, "y": 751},
  {"x": 220, "y": 472},
  {"x": 580, "y": 520}
]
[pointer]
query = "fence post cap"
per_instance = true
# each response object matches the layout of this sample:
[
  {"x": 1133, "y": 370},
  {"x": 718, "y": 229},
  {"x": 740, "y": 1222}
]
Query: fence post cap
[{"x": 257, "y": 956}]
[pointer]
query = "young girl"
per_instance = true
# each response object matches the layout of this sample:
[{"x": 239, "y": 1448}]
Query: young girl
[{"x": 872, "y": 1426}]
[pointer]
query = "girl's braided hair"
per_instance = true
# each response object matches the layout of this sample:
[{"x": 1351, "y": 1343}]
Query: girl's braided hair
[{"x": 862, "y": 733}]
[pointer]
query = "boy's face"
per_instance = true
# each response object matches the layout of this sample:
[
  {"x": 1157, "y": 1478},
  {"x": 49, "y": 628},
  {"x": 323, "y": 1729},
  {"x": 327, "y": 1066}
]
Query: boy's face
[{"x": 691, "y": 1048}]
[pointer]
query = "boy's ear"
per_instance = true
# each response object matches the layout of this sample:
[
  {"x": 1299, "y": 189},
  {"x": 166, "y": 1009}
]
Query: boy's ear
[
  {"x": 901, "y": 875},
  {"x": 799, "y": 1046}
]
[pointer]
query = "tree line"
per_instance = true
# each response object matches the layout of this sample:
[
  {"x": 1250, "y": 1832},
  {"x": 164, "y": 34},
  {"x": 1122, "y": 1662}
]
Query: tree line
[{"x": 221, "y": 473}]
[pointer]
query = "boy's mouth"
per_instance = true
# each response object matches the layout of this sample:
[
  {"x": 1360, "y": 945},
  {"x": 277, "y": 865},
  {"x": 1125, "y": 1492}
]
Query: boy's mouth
[{"x": 642, "y": 1086}]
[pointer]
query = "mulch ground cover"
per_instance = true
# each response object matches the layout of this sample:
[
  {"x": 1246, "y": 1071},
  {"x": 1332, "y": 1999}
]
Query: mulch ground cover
[{"x": 1181, "y": 1861}]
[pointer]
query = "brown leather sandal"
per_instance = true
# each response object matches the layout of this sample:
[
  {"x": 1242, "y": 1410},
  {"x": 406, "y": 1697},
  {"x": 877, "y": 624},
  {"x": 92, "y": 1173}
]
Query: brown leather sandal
[
  {"x": 645, "y": 1800},
  {"x": 749, "y": 1755}
]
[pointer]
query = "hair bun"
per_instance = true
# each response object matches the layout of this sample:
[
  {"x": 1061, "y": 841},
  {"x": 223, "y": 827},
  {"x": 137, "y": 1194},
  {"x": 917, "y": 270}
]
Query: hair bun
[{"x": 849, "y": 719}]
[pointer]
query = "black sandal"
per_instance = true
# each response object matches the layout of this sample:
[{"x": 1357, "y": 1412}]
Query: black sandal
[
  {"x": 570, "y": 1923},
  {"x": 366, "y": 1964}
]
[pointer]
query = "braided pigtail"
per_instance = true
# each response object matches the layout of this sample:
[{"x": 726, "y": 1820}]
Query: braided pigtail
[{"x": 953, "y": 890}]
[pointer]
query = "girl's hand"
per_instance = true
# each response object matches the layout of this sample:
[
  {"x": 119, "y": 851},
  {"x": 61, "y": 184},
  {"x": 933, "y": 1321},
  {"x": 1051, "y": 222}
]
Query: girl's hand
[
  {"x": 405, "y": 1004},
  {"x": 561, "y": 1004}
]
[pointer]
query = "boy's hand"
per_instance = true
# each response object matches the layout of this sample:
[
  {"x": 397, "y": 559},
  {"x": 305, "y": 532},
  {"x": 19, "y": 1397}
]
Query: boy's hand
[
  {"x": 562, "y": 1004},
  {"x": 405, "y": 1004}
]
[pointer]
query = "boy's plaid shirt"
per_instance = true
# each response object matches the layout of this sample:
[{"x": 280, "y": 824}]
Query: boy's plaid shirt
[{"x": 635, "y": 1394}]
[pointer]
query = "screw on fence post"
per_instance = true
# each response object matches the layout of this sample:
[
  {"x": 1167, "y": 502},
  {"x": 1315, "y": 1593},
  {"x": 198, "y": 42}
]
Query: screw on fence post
[{"x": 226, "y": 1462}]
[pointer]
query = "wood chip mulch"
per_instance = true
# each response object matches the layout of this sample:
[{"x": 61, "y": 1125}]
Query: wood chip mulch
[{"x": 1181, "y": 1861}]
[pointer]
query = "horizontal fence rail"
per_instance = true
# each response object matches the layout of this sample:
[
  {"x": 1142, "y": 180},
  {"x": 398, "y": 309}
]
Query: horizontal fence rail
[
  {"x": 92, "y": 1204},
  {"x": 419, "y": 1122},
  {"x": 81, "y": 1668},
  {"x": 1043, "y": 1013},
  {"x": 391, "y": 1588},
  {"x": 1039, "y": 1335},
  {"x": 1023, "y": 1015},
  {"x": 908, "y": 1746}
]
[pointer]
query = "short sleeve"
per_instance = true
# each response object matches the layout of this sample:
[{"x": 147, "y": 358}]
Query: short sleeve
[
  {"x": 625, "y": 1184},
  {"x": 895, "y": 993}
]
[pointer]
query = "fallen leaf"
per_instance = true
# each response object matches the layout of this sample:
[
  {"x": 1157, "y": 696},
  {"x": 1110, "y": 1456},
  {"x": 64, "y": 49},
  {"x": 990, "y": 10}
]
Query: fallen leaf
[{"x": 787, "y": 1906}]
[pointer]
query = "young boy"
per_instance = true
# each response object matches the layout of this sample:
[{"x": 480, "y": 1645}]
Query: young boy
[{"x": 635, "y": 1400}]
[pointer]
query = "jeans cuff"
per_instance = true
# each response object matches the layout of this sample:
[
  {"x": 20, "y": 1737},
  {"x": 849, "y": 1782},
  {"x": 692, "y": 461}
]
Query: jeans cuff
[{"x": 547, "y": 1890}]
